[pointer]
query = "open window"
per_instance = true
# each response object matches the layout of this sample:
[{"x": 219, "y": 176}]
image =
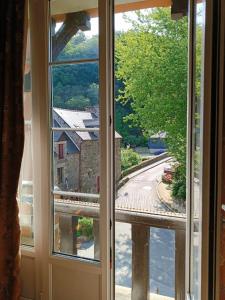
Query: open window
[{"x": 119, "y": 134}]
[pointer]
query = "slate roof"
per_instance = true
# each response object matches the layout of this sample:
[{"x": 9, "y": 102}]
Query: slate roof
[
  {"x": 79, "y": 119},
  {"x": 75, "y": 119}
]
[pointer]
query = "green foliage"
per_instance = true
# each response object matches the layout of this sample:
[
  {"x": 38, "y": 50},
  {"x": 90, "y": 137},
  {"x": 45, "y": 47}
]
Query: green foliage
[
  {"x": 129, "y": 158},
  {"x": 80, "y": 47},
  {"x": 152, "y": 63},
  {"x": 179, "y": 190},
  {"x": 179, "y": 184},
  {"x": 132, "y": 136},
  {"x": 76, "y": 87},
  {"x": 77, "y": 103},
  {"x": 73, "y": 84},
  {"x": 85, "y": 227}
]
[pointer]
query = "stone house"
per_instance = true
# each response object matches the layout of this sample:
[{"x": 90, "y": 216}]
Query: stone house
[{"x": 76, "y": 153}]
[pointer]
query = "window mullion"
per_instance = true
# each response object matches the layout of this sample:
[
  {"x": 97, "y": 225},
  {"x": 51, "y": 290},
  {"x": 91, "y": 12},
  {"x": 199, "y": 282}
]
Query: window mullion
[{"x": 106, "y": 138}]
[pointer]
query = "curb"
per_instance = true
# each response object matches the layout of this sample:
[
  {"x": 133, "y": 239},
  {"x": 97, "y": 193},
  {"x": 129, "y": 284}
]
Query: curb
[
  {"x": 144, "y": 164},
  {"x": 125, "y": 179},
  {"x": 161, "y": 199}
]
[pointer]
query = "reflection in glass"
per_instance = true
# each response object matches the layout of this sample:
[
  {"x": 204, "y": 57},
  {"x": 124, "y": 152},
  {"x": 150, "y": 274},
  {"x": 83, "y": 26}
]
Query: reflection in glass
[
  {"x": 25, "y": 188},
  {"x": 197, "y": 147},
  {"x": 75, "y": 234}
]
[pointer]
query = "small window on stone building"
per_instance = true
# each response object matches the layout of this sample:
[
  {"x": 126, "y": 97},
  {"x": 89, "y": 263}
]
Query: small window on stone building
[
  {"x": 60, "y": 175},
  {"x": 61, "y": 151}
]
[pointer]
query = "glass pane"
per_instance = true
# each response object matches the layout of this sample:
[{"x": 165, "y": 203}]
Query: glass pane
[
  {"x": 151, "y": 61},
  {"x": 197, "y": 147},
  {"x": 145, "y": 262},
  {"x": 74, "y": 30},
  {"x": 123, "y": 260},
  {"x": 25, "y": 188},
  {"x": 76, "y": 87},
  {"x": 162, "y": 262},
  {"x": 76, "y": 228},
  {"x": 75, "y": 104}
]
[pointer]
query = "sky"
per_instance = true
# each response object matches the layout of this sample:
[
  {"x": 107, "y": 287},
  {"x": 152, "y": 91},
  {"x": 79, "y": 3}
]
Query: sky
[{"x": 120, "y": 24}]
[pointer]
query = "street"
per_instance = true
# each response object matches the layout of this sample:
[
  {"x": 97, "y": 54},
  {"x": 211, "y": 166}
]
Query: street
[{"x": 139, "y": 193}]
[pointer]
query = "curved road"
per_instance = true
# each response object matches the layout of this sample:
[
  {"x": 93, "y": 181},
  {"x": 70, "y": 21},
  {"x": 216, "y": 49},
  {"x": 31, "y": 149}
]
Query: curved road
[{"x": 140, "y": 192}]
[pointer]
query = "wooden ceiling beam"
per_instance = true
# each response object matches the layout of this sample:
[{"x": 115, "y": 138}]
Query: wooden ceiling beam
[{"x": 120, "y": 8}]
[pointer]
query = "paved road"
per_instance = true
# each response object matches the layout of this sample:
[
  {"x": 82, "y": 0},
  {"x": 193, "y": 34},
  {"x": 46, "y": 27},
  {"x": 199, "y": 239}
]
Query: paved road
[{"x": 139, "y": 193}]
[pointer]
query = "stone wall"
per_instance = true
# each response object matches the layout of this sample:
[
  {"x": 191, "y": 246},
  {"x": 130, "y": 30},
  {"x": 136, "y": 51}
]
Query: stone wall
[
  {"x": 90, "y": 165},
  {"x": 70, "y": 165},
  {"x": 83, "y": 169}
]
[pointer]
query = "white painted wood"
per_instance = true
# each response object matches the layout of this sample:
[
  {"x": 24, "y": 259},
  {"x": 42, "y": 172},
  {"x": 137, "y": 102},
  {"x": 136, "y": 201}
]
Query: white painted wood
[
  {"x": 27, "y": 275},
  {"x": 107, "y": 145},
  {"x": 74, "y": 62},
  {"x": 76, "y": 194},
  {"x": 68, "y": 284},
  {"x": 75, "y": 129},
  {"x": 53, "y": 271}
]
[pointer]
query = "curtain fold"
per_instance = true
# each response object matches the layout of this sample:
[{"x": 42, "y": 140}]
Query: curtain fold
[{"x": 12, "y": 16}]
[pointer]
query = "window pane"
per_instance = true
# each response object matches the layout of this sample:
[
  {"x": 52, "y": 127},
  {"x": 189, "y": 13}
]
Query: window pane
[
  {"x": 74, "y": 30},
  {"x": 197, "y": 148},
  {"x": 146, "y": 261},
  {"x": 75, "y": 104},
  {"x": 162, "y": 262},
  {"x": 25, "y": 188},
  {"x": 76, "y": 227}
]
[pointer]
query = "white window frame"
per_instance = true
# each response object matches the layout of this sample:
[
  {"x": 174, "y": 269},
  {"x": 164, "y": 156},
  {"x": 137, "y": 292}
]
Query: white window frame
[
  {"x": 43, "y": 216},
  {"x": 205, "y": 193}
]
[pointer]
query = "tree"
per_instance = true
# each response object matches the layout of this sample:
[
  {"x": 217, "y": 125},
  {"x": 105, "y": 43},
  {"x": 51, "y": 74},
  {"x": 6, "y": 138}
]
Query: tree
[
  {"x": 78, "y": 103},
  {"x": 76, "y": 81},
  {"x": 152, "y": 63},
  {"x": 129, "y": 158}
]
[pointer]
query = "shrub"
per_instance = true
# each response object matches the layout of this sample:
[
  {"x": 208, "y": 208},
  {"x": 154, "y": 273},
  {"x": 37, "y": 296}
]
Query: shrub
[
  {"x": 129, "y": 158},
  {"x": 179, "y": 185},
  {"x": 85, "y": 227}
]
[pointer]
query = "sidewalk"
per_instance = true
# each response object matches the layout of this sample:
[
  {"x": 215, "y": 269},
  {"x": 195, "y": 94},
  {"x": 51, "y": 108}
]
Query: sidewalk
[
  {"x": 164, "y": 193},
  {"x": 165, "y": 196}
]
